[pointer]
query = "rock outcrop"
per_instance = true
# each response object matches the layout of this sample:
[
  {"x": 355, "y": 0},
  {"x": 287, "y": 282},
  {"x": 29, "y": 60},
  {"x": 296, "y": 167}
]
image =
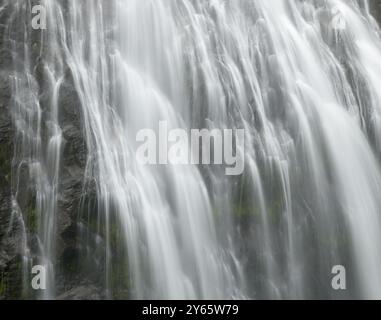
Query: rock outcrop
[
  {"x": 10, "y": 228},
  {"x": 14, "y": 236}
]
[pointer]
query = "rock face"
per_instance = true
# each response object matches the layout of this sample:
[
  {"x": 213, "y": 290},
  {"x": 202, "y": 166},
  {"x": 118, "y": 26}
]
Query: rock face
[
  {"x": 10, "y": 284},
  {"x": 14, "y": 236},
  {"x": 376, "y": 9},
  {"x": 89, "y": 292}
]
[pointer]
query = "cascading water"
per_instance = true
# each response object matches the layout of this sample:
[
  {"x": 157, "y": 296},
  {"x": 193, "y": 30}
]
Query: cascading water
[{"x": 300, "y": 77}]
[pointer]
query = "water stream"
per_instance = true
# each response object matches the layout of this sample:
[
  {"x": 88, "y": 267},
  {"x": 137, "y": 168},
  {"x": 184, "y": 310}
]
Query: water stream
[{"x": 301, "y": 77}]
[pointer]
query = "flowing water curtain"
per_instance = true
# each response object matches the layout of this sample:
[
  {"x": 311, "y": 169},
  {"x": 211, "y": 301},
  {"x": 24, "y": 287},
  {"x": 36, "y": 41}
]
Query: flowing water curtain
[
  {"x": 36, "y": 85},
  {"x": 225, "y": 46},
  {"x": 299, "y": 76}
]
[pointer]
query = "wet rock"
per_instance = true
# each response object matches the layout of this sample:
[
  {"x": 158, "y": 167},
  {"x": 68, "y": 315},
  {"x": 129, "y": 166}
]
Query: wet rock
[
  {"x": 73, "y": 162},
  {"x": 84, "y": 292},
  {"x": 10, "y": 228},
  {"x": 376, "y": 9}
]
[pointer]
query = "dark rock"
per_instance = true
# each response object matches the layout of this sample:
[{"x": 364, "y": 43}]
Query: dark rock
[
  {"x": 72, "y": 169},
  {"x": 10, "y": 226},
  {"x": 375, "y": 6},
  {"x": 84, "y": 292}
]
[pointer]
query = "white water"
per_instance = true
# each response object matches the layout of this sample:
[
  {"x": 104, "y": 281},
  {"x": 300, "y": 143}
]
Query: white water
[{"x": 306, "y": 93}]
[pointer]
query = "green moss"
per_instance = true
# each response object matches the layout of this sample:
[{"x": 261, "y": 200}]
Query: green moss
[
  {"x": 274, "y": 211},
  {"x": 5, "y": 167},
  {"x": 243, "y": 211},
  {"x": 247, "y": 204},
  {"x": 71, "y": 261},
  {"x": 32, "y": 220},
  {"x": 120, "y": 280},
  {"x": 32, "y": 216},
  {"x": 2, "y": 284},
  {"x": 11, "y": 280}
]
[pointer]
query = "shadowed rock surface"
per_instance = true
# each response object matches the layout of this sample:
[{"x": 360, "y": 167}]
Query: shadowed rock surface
[{"x": 71, "y": 184}]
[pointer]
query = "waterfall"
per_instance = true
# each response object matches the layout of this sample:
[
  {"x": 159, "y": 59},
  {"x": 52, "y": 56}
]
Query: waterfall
[{"x": 300, "y": 77}]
